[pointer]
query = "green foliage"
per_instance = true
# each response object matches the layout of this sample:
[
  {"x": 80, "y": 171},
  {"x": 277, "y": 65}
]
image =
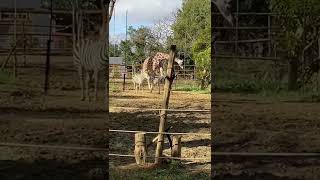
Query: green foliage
[
  {"x": 300, "y": 22},
  {"x": 247, "y": 86},
  {"x": 114, "y": 50},
  {"x": 141, "y": 43},
  {"x": 297, "y": 19},
  {"x": 191, "y": 87},
  {"x": 126, "y": 51},
  {"x": 192, "y": 31},
  {"x": 191, "y": 20}
]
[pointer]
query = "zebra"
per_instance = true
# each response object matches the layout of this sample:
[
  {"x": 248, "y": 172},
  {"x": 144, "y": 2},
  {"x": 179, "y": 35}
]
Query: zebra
[
  {"x": 89, "y": 55},
  {"x": 89, "y": 58},
  {"x": 137, "y": 80}
]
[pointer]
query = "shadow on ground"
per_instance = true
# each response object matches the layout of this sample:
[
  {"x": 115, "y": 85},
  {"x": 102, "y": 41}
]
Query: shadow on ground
[{"x": 53, "y": 170}]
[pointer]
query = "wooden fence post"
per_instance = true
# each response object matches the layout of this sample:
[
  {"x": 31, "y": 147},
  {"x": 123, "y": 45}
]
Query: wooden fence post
[
  {"x": 165, "y": 103},
  {"x": 176, "y": 146},
  {"x": 140, "y": 151},
  {"x": 24, "y": 45},
  {"x": 47, "y": 70},
  {"x": 8, "y": 57},
  {"x": 15, "y": 64},
  {"x": 124, "y": 82},
  {"x": 159, "y": 84}
]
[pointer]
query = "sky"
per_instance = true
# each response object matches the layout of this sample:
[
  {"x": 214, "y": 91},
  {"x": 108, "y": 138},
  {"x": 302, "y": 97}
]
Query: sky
[{"x": 140, "y": 13}]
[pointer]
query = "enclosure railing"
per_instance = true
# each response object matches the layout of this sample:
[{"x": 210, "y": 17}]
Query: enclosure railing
[
  {"x": 267, "y": 40},
  {"x": 117, "y": 71},
  {"x": 163, "y": 133},
  {"x": 25, "y": 27}
]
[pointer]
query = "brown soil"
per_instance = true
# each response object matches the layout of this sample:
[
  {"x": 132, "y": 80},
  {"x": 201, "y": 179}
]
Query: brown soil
[
  {"x": 193, "y": 146},
  {"x": 27, "y": 116},
  {"x": 248, "y": 123}
]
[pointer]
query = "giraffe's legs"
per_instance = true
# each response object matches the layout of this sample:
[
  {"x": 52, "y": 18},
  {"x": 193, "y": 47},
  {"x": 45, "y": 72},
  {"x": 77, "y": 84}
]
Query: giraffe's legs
[
  {"x": 134, "y": 85},
  {"x": 161, "y": 71},
  {"x": 141, "y": 87},
  {"x": 80, "y": 71},
  {"x": 87, "y": 85},
  {"x": 148, "y": 79},
  {"x": 96, "y": 78}
]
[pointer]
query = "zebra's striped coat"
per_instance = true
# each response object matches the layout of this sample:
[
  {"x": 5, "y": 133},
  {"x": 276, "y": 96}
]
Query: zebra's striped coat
[{"x": 89, "y": 59}]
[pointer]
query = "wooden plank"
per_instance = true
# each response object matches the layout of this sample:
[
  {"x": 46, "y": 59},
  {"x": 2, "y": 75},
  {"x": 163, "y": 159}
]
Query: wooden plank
[
  {"x": 165, "y": 104},
  {"x": 31, "y": 25},
  {"x": 55, "y": 11},
  {"x": 62, "y": 147},
  {"x": 37, "y": 34},
  {"x": 140, "y": 151},
  {"x": 244, "y": 41},
  {"x": 219, "y": 157},
  {"x": 246, "y": 58},
  {"x": 250, "y": 13},
  {"x": 246, "y": 28},
  {"x": 176, "y": 146}
]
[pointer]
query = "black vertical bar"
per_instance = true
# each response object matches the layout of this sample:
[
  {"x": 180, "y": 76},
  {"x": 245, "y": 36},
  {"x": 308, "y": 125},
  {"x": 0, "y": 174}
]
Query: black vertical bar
[
  {"x": 124, "y": 82},
  {"x": 46, "y": 83}
]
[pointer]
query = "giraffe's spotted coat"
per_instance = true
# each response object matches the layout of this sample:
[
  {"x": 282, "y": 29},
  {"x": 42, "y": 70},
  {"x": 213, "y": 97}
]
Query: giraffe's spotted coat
[{"x": 153, "y": 66}]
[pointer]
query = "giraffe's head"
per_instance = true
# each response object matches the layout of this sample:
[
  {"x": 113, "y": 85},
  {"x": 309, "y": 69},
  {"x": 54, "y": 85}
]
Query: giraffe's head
[
  {"x": 224, "y": 7},
  {"x": 179, "y": 62}
]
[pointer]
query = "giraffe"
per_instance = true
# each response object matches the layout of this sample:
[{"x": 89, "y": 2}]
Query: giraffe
[
  {"x": 153, "y": 66},
  {"x": 157, "y": 81}
]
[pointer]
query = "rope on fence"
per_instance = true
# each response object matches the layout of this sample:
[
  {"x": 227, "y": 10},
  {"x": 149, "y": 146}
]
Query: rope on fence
[
  {"x": 163, "y": 157},
  {"x": 265, "y": 154},
  {"x": 243, "y": 154},
  {"x": 156, "y": 109},
  {"x": 148, "y": 132},
  {"x": 52, "y": 147}
]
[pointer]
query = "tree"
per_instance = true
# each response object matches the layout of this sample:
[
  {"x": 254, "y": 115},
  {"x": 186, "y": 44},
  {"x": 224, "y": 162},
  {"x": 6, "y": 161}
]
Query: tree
[
  {"x": 126, "y": 51},
  {"x": 201, "y": 50},
  {"x": 300, "y": 30},
  {"x": 162, "y": 32},
  {"x": 190, "y": 21},
  {"x": 114, "y": 50},
  {"x": 192, "y": 32},
  {"x": 141, "y": 44}
]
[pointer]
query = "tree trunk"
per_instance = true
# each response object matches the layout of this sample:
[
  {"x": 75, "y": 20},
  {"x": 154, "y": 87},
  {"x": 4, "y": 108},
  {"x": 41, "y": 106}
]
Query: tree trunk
[
  {"x": 203, "y": 83},
  {"x": 293, "y": 74}
]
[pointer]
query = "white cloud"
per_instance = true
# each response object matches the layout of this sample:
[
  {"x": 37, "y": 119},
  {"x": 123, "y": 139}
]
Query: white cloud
[
  {"x": 145, "y": 11},
  {"x": 140, "y": 13},
  {"x": 116, "y": 38}
]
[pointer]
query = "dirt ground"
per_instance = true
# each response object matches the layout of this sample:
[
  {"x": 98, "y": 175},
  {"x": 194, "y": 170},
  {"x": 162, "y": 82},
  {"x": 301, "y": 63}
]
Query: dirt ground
[
  {"x": 198, "y": 146},
  {"x": 60, "y": 118},
  {"x": 250, "y": 123}
]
